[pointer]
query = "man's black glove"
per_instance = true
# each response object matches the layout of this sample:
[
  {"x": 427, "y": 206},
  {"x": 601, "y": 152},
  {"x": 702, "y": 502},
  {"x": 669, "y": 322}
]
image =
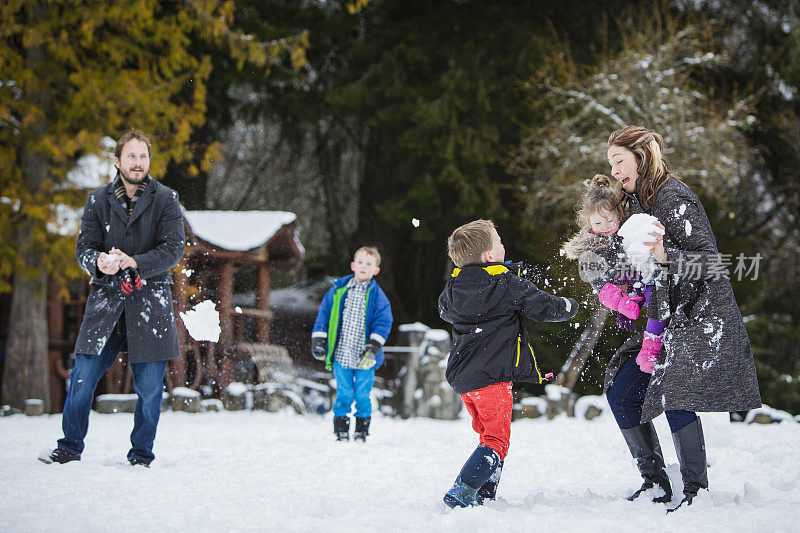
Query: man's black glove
[
  {"x": 319, "y": 348},
  {"x": 131, "y": 280},
  {"x": 368, "y": 354}
]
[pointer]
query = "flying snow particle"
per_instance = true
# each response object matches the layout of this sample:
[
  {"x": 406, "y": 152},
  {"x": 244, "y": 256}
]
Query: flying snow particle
[{"x": 415, "y": 222}]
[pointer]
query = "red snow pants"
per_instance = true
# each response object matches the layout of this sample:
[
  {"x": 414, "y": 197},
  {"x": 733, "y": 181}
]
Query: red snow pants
[{"x": 490, "y": 409}]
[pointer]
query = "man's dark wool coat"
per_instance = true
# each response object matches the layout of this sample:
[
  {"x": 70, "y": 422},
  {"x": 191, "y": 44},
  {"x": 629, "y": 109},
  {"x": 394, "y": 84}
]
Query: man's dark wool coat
[{"x": 154, "y": 238}]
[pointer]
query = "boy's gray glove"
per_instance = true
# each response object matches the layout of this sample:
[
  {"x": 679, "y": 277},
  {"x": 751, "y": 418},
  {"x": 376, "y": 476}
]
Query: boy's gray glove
[
  {"x": 368, "y": 354},
  {"x": 319, "y": 348}
]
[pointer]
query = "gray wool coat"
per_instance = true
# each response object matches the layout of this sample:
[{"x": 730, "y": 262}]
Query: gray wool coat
[
  {"x": 154, "y": 237},
  {"x": 706, "y": 364}
]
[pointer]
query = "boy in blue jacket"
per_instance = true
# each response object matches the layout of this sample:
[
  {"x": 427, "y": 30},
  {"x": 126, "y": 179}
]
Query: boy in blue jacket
[
  {"x": 353, "y": 322},
  {"x": 487, "y": 305}
]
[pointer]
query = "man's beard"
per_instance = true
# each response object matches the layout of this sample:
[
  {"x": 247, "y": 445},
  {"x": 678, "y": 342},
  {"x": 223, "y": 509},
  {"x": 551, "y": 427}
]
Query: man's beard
[{"x": 131, "y": 180}]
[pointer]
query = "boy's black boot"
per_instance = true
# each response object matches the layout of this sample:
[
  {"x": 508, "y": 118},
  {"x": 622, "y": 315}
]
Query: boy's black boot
[
  {"x": 690, "y": 445},
  {"x": 341, "y": 427},
  {"x": 489, "y": 489},
  {"x": 643, "y": 443},
  {"x": 59, "y": 455},
  {"x": 362, "y": 428},
  {"x": 476, "y": 471}
]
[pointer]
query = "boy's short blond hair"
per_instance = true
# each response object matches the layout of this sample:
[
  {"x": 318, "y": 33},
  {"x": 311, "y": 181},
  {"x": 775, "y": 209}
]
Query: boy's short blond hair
[
  {"x": 467, "y": 243},
  {"x": 371, "y": 250}
]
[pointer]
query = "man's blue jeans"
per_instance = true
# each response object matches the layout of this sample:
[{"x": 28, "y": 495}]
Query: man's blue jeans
[
  {"x": 353, "y": 384},
  {"x": 148, "y": 381},
  {"x": 626, "y": 395}
]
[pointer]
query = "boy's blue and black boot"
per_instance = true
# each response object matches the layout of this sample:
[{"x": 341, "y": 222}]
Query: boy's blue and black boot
[
  {"x": 341, "y": 427},
  {"x": 489, "y": 489},
  {"x": 476, "y": 472}
]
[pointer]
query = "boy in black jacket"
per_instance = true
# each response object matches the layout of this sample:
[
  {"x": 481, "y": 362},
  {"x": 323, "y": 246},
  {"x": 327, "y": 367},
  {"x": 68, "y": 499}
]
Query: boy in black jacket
[{"x": 487, "y": 305}]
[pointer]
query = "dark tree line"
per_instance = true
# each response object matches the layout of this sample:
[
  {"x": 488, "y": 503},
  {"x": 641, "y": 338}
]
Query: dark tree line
[{"x": 375, "y": 114}]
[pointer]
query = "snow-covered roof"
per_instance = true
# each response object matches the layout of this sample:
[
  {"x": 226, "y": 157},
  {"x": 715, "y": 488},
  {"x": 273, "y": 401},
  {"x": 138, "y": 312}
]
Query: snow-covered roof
[{"x": 238, "y": 230}]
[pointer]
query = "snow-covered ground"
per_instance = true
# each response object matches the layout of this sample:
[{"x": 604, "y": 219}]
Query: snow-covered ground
[{"x": 257, "y": 471}]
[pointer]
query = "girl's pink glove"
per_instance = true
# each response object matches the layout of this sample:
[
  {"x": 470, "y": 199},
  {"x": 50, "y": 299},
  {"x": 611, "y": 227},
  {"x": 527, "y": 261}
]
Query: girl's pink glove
[
  {"x": 648, "y": 355},
  {"x": 629, "y": 306},
  {"x": 612, "y": 297}
]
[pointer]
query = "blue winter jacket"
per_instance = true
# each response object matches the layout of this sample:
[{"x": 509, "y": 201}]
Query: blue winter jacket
[{"x": 377, "y": 325}]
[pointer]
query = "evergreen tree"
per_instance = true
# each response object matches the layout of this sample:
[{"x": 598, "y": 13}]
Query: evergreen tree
[
  {"x": 70, "y": 73},
  {"x": 763, "y": 42},
  {"x": 426, "y": 98}
]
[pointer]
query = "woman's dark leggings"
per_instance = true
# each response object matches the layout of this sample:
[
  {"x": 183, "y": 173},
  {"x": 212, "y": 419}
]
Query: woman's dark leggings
[{"x": 626, "y": 395}]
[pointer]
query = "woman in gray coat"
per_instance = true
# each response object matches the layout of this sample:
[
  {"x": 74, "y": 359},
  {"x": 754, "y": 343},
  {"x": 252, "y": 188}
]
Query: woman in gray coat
[{"x": 706, "y": 363}]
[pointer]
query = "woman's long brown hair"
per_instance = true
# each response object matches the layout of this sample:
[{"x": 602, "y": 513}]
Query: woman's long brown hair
[{"x": 648, "y": 147}]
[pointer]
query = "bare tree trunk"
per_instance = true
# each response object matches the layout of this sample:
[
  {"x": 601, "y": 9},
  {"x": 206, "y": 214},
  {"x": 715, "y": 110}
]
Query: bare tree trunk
[
  {"x": 582, "y": 349},
  {"x": 26, "y": 372},
  {"x": 26, "y": 367}
]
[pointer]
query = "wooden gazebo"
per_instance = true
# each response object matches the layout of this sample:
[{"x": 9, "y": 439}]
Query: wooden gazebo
[{"x": 220, "y": 245}]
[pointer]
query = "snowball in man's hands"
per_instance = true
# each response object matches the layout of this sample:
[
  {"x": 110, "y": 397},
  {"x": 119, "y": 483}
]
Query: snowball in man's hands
[
  {"x": 111, "y": 259},
  {"x": 635, "y": 232}
]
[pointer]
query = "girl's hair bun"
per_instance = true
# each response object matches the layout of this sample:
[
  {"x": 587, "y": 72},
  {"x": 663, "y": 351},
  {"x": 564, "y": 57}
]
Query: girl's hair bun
[
  {"x": 600, "y": 180},
  {"x": 601, "y": 192}
]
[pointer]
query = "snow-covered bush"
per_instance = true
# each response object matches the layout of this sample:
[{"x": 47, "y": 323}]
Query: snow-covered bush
[{"x": 657, "y": 83}]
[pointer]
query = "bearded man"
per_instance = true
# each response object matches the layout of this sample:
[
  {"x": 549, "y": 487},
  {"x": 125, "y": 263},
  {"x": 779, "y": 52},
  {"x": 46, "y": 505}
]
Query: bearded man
[{"x": 131, "y": 236}]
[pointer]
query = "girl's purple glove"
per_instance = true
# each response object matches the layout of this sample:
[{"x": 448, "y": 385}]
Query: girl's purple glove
[{"x": 612, "y": 297}]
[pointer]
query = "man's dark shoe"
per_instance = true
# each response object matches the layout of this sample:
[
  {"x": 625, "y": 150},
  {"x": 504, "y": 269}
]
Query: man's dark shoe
[
  {"x": 136, "y": 461},
  {"x": 58, "y": 455}
]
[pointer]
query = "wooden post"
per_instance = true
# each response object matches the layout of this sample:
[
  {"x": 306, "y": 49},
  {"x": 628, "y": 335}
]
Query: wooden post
[
  {"x": 416, "y": 340},
  {"x": 199, "y": 368},
  {"x": 225, "y": 345},
  {"x": 114, "y": 378},
  {"x": 208, "y": 351},
  {"x": 55, "y": 334},
  {"x": 225, "y": 295},
  {"x": 262, "y": 302},
  {"x": 176, "y": 368}
]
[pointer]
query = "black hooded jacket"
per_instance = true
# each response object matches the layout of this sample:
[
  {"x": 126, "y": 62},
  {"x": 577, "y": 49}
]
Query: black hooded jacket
[{"x": 487, "y": 305}]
